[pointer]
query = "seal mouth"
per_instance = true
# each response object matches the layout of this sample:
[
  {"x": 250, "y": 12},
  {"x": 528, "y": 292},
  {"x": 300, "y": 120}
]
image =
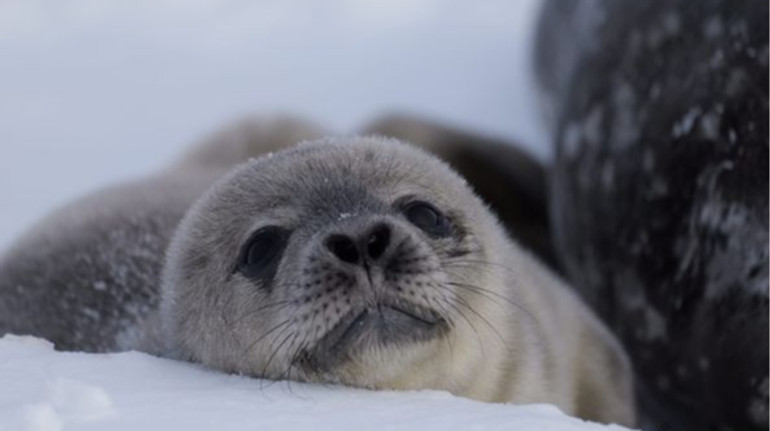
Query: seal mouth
[{"x": 376, "y": 325}]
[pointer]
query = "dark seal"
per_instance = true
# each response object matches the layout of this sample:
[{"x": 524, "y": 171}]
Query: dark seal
[{"x": 659, "y": 193}]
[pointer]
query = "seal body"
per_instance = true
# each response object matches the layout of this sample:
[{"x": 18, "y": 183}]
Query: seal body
[
  {"x": 659, "y": 193},
  {"x": 358, "y": 261}
]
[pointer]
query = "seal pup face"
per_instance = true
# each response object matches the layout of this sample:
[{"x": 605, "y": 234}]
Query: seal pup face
[{"x": 324, "y": 260}]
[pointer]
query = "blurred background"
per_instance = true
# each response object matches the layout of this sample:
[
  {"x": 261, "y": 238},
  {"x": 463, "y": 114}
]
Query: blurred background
[{"x": 95, "y": 92}]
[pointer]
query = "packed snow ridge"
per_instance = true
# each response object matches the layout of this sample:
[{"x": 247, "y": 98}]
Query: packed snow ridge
[{"x": 46, "y": 390}]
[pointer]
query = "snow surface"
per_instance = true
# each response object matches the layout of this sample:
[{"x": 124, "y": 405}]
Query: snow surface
[{"x": 45, "y": 390}]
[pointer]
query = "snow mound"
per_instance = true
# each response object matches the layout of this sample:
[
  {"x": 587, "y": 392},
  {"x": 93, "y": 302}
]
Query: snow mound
[{"x": 45, "y": 390}]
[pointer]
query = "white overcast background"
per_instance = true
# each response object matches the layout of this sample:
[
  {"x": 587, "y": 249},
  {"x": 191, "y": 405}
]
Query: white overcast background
[{"x": 94, "y": 92}]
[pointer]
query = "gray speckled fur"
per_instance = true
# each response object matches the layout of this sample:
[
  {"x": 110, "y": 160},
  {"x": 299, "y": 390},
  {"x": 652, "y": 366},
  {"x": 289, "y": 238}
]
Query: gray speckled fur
[{"x": 85, "y": 275}]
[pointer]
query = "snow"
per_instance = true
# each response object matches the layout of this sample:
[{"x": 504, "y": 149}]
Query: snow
[{"x": 45, "y": 390}]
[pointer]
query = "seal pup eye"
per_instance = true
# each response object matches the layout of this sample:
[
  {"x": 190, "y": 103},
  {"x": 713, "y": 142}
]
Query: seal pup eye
[
  {"x": 262, "y": 252},
  {"x": 428, "y": 218}
]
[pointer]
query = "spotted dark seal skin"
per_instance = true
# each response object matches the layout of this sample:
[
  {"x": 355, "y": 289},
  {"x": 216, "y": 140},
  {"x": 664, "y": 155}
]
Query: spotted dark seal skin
[{"x": 659, "y": 193}]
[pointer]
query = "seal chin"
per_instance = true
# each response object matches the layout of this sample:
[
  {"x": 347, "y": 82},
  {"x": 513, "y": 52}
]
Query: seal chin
[{"x": 380, "y": 324}]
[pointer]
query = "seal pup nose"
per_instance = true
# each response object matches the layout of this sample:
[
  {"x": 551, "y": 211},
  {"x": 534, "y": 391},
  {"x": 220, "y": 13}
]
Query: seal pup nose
[
  {"x": 377, "y": 241},
  {"x": 343, "y": 247},
  {"x": 370, "y": 245}
]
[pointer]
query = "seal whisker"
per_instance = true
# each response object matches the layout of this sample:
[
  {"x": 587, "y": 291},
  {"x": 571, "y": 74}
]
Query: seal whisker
[
  {"x": 300, "y": 351},
  {"x": 250, "y": 313},
  {"x": 493, "y": 296},
  {"x": 464, "y": 317},
  {"x": 262, "y": 337},
  {"x": 286, "y": 374},
  {"x": 439, "y": 304},
  {"x": 275, "y": 352},
  {"x": 472, "y": 262},
  {"x": 503, "y": 341},
  {"x": 462, "y": 302}
]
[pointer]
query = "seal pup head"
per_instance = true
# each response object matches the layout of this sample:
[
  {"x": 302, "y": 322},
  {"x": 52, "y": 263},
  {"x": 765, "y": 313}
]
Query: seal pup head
[{"x": 339, "y": 260}]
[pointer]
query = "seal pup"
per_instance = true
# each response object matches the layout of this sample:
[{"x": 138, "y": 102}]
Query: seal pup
[
  {"x": 366, "y": 262},
  {"x": 88, "y": 277}
]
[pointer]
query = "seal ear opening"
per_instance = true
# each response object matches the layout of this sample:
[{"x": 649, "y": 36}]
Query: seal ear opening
[{"x": 512, "y": 182}]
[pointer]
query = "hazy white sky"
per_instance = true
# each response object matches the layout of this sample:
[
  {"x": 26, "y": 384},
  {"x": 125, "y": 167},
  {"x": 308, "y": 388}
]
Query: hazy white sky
[{"x": 93, "y": 91}]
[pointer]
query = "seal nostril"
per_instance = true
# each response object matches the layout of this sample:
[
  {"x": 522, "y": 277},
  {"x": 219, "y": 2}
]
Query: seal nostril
[
  {"x": 343, "y": 247},
  {"x": 378, "y": 241}
]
